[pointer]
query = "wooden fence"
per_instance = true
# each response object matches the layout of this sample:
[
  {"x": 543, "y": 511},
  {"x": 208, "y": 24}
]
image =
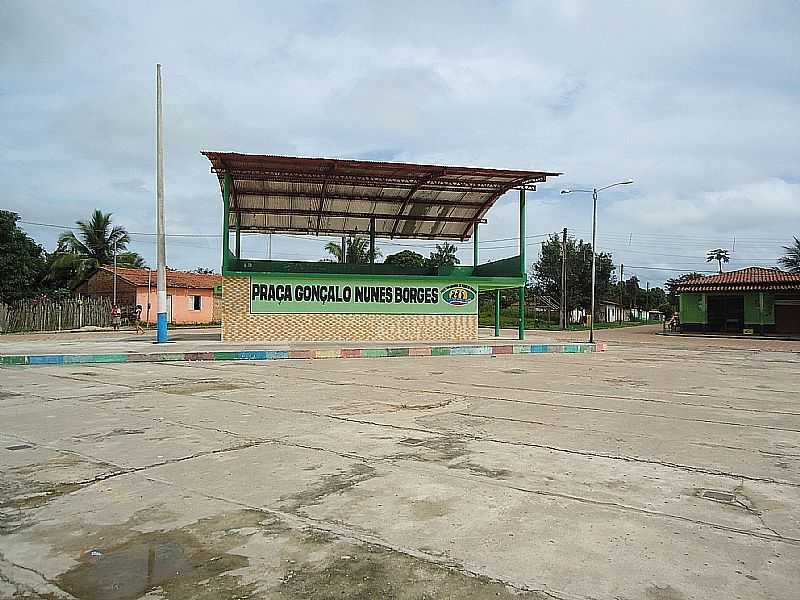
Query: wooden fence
[{"x": 45, "y": 315}]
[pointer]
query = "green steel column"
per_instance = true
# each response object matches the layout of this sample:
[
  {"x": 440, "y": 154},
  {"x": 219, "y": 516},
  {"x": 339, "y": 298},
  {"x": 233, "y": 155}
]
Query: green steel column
[
  {"x": 522, "y": 232},
  {"x": 475, "y": 247},
  {"x": 522, "y": 264},
  {"x": 372, "y": 241},
  {"x": 497, "y": 313},
  {"x": 238, "y": 235},
  {"x": 227, "y": 184}
]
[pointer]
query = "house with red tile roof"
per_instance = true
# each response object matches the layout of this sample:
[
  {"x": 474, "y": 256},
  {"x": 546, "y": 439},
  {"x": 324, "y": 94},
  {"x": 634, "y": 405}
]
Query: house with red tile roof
[
  {"x": 191, "y": 297},
  {"x": 751, "y": 300}
]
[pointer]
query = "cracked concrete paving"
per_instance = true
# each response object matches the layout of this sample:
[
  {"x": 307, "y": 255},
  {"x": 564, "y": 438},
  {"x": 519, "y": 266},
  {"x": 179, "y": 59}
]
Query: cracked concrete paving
[{"x": 550, "y": 476}]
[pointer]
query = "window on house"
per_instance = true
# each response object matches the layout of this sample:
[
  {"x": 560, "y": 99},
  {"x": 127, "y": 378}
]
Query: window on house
[{"x": 195, "y": 302}]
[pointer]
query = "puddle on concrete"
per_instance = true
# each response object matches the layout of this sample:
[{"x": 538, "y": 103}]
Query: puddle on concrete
[
  {"x": 129, "y": 571},
  {"x": 187, "y": 563}
]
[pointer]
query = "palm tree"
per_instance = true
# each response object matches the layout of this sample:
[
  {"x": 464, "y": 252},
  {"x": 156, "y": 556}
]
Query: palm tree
[
  {"x": 132, "y": 260},
  {"x": 791, "y": 260},
  {"x": 444, "y": 255},
  {"x": 95, "y": 245},
  {"x": 720, "y": 255},
  {"x": 357, "y": 251}
]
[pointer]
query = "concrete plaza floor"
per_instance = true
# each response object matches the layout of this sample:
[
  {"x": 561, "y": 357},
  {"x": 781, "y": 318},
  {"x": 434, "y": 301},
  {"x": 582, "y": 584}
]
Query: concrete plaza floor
[{"x": 661, "y": 469}]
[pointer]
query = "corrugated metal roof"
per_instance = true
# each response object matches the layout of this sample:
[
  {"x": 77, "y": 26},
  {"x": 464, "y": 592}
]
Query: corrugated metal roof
[
  {"x": 742, "y": 280},
  {"x": 283, "y": 194}
]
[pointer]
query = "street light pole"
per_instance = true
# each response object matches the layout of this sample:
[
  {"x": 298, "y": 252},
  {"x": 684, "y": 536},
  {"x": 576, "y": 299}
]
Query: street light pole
[
  {"x": 593, "y": 192},
  {"x": 161, "y": 252},
  {"x": 594, "y": 270}
]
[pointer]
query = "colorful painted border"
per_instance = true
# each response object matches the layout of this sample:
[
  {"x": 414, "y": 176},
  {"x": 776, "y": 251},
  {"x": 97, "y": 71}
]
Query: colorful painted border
[{"x": 465, "y": 350}]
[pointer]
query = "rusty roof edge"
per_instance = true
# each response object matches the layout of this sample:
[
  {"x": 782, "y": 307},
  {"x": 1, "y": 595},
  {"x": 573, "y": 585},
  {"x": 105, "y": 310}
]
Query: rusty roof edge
[{"x": 322, "y": 161}]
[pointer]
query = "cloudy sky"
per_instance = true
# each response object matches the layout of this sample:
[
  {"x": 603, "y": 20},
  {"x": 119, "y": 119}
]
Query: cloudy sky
[{"x": 698, "y": 102}]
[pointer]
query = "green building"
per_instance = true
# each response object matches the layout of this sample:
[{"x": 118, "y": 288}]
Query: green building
[
  {"x": 295, "y": 301},
  {"x": 754, "y": 300}
]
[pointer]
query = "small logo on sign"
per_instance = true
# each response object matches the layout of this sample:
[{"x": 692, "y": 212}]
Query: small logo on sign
[{"x": 458, "y": 294}]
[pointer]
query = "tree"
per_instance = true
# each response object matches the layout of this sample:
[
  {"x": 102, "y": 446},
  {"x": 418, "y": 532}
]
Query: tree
[
  {"x": 672, "y": 296},
  {"x": 22, "y": 261},
  {"x": 94, "y": 246},
  {"x": 791, "y": 259},
  {"x": 131, "y": 260},
  {"x": 547, "y": 273},
  {"x": 720, "y": 255},
  {"x": 204, "y": 271},
  {"x": 408, "y": 259},
  {"x": 357, "y": 251},
  {"x": 667, "y": 309},
  {"x": 653, "y": 298},
  {"x": 631, "y": 292},
  {"x": 444, "y": 256}
]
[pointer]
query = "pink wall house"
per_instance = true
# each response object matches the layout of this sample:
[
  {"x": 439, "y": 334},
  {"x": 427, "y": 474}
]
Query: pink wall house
[{"x": 190, "y": 296}]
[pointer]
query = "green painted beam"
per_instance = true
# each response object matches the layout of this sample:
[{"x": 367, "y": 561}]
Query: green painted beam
[
  {"x": 238, "y": 235},
  {"x": 522, "y": 232},
  {"x": 372, "y": 241},
  {"x": 497, "y": 313},
  {"x": 522, "y": 268},
  {"x": 485, "y": 283},
  {"x": 475, "y": 245},
  {"x": 227, "y": 184}
]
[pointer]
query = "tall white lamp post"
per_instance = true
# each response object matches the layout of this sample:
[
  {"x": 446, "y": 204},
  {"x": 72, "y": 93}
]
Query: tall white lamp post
[{"x": 593, "y": 192}]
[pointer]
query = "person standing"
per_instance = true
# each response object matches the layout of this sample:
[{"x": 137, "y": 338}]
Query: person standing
[
  {"x": 137, "y": 317},
  {"x": 116, "y": 317}
]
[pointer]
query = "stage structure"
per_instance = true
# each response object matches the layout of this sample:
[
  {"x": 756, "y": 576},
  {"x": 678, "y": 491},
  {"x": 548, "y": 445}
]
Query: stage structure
[{"x": 291, "y": 301}]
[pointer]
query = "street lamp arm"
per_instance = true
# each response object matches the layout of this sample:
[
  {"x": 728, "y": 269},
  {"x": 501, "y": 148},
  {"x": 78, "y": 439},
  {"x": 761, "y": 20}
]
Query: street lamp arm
[
  {"x": 577, "y": 191},
  {"x": 626, "y": 182}
]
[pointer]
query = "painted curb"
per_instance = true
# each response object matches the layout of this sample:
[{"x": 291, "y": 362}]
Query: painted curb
[{"x": 465, "y": 350}]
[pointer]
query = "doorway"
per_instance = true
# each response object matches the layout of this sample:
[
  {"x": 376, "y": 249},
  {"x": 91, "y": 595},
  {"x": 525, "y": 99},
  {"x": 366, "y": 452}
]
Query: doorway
[
  {"x": 787, "y": 316},
  {"x": 726, "y": 314}
]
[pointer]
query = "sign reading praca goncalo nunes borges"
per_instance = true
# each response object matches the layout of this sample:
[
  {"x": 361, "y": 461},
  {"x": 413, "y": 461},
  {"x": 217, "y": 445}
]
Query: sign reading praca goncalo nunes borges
[{"x": 396, "y": 296}]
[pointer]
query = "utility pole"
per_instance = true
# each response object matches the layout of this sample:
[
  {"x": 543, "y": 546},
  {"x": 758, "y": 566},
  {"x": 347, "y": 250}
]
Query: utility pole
[
  {"x": 647, "y": 302},
  {"x": 114, "y": 302},
  {"x": 149, "y": 287},
  {"x": 622, "y": 291},
  {"x": 161, "y": 277},
  {"x": 564, "y": 278}
]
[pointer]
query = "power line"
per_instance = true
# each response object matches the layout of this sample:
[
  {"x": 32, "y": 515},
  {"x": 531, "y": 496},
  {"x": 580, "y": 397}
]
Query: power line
[
  {"x": 670, "y": 269},
  {"x": 72, "y": 228},
  {"x": 286, "y": 235}
]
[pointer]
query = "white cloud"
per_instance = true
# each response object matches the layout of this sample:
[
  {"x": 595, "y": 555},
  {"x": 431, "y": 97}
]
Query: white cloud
[{"x": 698, "y": 102}]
